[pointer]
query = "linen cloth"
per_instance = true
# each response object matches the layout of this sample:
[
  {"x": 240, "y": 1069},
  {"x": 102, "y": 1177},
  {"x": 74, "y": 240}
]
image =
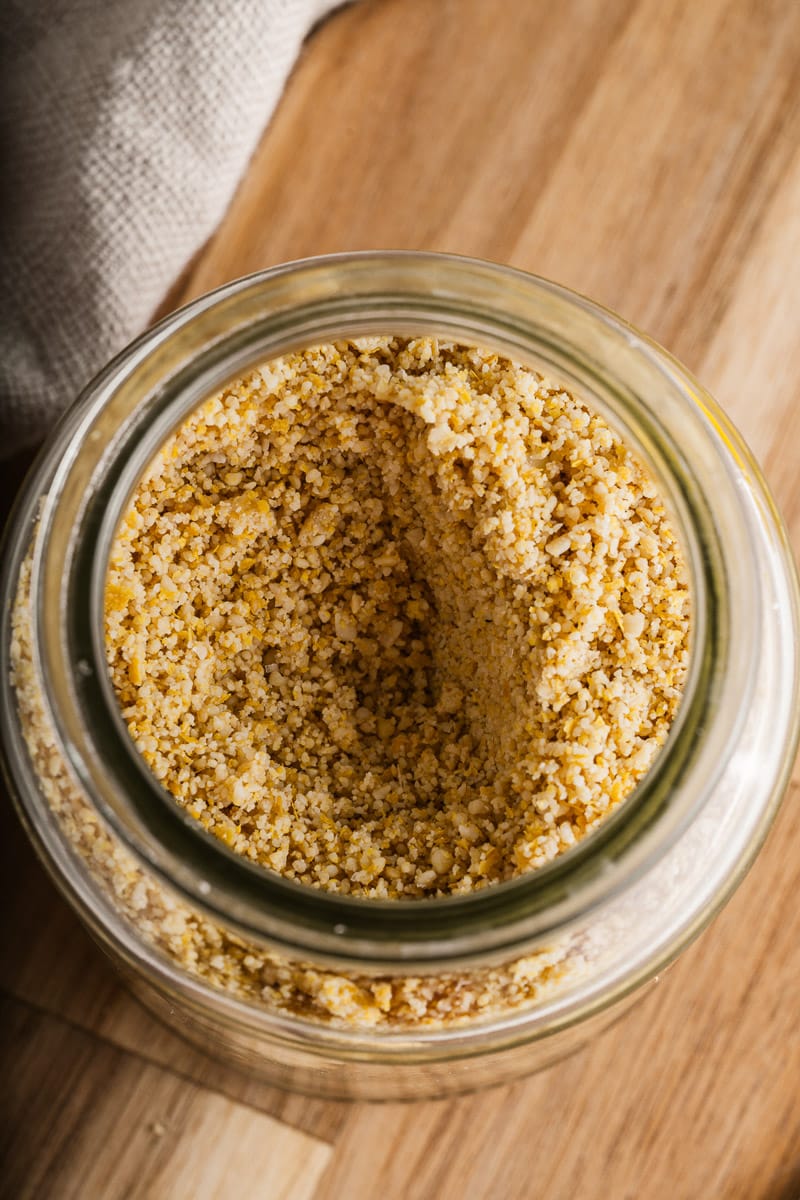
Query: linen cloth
[{"x": 125, "y": 126}]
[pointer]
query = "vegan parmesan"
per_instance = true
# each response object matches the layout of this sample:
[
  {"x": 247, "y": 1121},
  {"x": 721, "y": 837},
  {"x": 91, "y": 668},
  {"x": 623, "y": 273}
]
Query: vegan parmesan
[{"x": 397, "y": 618}]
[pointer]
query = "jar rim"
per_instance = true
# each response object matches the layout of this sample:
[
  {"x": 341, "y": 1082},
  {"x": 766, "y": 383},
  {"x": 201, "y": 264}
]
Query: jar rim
[{"x": 180, "y": 362}]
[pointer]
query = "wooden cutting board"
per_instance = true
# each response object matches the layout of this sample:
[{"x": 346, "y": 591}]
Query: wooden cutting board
[{"x": 646, "y": 153}]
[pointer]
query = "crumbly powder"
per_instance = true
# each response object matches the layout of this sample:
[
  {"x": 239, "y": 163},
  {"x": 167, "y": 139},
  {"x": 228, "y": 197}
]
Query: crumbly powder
[
  {"x": 397, "y": 617},
  {"x": 456, "y": 591},
  {"x": 247, "y": 970}
]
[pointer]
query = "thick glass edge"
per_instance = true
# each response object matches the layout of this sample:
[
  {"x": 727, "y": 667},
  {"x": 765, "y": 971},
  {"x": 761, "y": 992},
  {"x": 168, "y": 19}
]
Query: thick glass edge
[
  {"x": 492, "y": 1035},
  {"x": 487, "y": 892}
]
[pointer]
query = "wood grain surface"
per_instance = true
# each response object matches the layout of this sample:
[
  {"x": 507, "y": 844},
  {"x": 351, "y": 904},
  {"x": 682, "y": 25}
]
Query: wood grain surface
[{"x": 646, "y": 153}]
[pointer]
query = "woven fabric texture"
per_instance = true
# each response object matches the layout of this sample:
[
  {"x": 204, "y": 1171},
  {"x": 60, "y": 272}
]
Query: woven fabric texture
[{"x": 125, "y": 126}]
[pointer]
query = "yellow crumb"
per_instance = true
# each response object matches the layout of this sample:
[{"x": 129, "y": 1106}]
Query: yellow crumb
[{"x": 374, "y": 582}]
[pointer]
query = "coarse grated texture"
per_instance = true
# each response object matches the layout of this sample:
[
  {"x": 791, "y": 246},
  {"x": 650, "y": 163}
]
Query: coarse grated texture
[
  {"x": 153, "y": 915},
  {"x": 397, "y": 617}
]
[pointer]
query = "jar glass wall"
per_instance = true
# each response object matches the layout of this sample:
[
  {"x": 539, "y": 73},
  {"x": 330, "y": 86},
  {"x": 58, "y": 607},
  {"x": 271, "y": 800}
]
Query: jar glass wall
[{"x": 285, "y": 979}]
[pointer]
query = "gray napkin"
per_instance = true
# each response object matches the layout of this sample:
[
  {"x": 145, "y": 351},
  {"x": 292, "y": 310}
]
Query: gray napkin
[{"x": 125, "y": 127}]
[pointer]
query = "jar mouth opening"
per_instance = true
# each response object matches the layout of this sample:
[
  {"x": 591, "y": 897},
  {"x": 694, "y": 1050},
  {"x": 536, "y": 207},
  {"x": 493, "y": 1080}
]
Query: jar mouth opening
[{"x": 218, "y": 337}]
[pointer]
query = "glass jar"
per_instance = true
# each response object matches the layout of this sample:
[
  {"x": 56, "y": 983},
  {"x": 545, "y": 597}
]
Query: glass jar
[{"x": 538, "y": 962}]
